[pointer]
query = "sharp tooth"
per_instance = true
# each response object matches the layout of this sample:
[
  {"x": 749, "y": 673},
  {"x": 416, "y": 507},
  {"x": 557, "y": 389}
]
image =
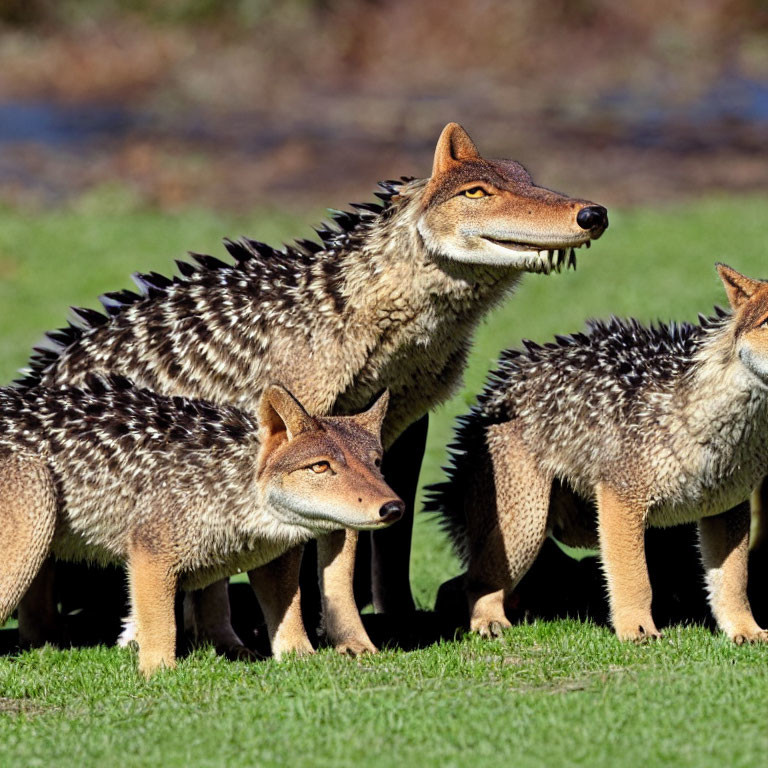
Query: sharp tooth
[{"x": 572, "y": 260}]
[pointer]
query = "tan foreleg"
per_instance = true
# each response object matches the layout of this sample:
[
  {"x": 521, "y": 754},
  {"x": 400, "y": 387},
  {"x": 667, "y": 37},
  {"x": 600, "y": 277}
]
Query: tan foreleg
[
  {"x": 341, "y": 619},
  {"x": 724, "y": 542},
  {"x": 27, "y": 523},
  {"x": 152, "y": 579},
  {"x": 276, "y": 585},
  {"x": 621, "y": 523},
  {"x": 506, "y": 505}
]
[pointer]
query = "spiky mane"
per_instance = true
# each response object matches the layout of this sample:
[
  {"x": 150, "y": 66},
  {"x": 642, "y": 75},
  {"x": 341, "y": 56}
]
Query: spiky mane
[
  {"x": 624, "y": 354},
  {"x": 266, "y": 267},
  {"x": 626, "y": 351},
  {"x": 110, "y": 404}
]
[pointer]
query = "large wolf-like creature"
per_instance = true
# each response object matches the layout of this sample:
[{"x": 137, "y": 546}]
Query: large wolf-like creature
[{"x": 389, "y": 298}]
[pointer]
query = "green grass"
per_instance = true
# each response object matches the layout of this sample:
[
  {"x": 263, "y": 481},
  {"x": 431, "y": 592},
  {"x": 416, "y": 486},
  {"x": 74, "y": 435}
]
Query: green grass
[
  {"x": 547, "y": 694},
  {"x": 561, "y": 693}
]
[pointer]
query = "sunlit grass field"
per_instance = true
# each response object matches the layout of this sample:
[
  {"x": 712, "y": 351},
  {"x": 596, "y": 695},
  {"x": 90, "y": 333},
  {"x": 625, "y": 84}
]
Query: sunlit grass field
[{"x": 561, "y": 693}]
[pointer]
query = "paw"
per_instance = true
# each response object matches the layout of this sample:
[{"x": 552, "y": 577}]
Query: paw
[
  {"x": 224, "y": 640},
  {"x": 487, "y": 616},
  {"x": 236, "y": 652},
  {"x": 755, "y": 635},
  {"x": 298, "y": 646},
  {"x": 299, "y": 653},
  {"x": 149, "y": 664},
  {"x": 355, "y": 646},
  {"x": 638, "y": 632},
  {"x": 493, "y": 627}
]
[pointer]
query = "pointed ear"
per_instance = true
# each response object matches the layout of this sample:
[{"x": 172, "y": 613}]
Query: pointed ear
[
  {"x": 739, "y": 288},
  {"x": 372, "y": 419},
  {"x": 453, "y": 146},
  {"x": 280, "y": 411}
]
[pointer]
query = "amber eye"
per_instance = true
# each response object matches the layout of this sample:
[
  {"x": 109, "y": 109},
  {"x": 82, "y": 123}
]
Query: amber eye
[
  {"x": 475, "y": 192},
  {"x": 320, "y": 467}
]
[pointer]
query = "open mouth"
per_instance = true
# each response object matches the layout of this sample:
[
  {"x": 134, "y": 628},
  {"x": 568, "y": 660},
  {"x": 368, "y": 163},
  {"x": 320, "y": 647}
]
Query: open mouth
[{"x": 543, "y": 260}]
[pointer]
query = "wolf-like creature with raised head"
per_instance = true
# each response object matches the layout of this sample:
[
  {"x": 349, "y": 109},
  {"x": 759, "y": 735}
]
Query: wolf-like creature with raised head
[{"x": 389, "y": 299}]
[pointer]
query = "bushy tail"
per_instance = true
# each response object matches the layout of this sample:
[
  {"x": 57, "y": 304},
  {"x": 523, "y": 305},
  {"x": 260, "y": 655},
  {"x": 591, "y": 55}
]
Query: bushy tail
[{"x": 447, "y": 500}]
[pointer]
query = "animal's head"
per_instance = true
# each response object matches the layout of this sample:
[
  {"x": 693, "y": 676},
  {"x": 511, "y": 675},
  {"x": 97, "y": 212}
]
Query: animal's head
[
  {"x": 324, "y": 473},
  {"x": 490, "y": 212},
  {"x": 749, "y": 300}
]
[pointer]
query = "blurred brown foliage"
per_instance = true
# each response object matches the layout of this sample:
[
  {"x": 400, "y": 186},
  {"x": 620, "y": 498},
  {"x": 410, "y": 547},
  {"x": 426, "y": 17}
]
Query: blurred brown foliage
[
  {"x": 346, "y": 90},
  {"x": 554, "y": 51}
]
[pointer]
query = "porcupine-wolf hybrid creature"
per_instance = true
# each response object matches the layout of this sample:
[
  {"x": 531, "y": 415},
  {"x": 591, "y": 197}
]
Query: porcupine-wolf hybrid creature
[
  {"x": 652, "y": 426},
  {"x": 389, "y": 298},
  {"x": 182, "y": 491}
]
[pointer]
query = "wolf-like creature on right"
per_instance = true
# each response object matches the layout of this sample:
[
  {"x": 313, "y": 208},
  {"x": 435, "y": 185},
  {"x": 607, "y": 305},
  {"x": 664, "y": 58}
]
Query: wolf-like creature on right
[{"x": 597, "y": 437}]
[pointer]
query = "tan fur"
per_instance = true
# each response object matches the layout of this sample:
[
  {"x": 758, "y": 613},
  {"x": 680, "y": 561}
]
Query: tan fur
[
  {"x": 505, "y": 540},
  {"x": 725, "y": 553},
  {"x": 276, "y": 585},
  {"x": 27, "y": 524},
  {"x": 621, "y": 520},
  {"x": 689, "y": 444},
  {"x": 183, "y": 493},
  {"x": 393, "y": 304},
  {"x": 152, "y": 575},
  {"x": 341, "y": 619}
]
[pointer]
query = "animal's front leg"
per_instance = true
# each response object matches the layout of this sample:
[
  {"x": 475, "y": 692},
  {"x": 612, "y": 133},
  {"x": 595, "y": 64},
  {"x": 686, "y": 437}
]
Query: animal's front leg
[
  {"x": 622, "y": 548},
  {"x": 276, "y": 585},
  {"x": 207, "y": 615},
  {"x": 391, "y": 547},
  {"x": 724, "y": 542},
  {"x": 341, "y": 620},
  {"x": 153, "y": 587}
]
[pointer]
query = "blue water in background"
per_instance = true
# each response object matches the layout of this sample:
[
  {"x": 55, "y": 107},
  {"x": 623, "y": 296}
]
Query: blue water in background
[{"x": 642, "y": 118}]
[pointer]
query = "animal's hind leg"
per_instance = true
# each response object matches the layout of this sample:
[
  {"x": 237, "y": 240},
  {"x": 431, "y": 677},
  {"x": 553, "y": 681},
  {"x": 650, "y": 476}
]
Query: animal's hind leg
[
  {"x": 724, "y": 541},
  {"x": 391, "y": 547},
  {"x": 506, "y": 509},
  {"x": 758, "y": 554},
  {"x": 39, "y": 618},
  {"x": 208, "y": 617},
  {"x": 27, "y": 523}
]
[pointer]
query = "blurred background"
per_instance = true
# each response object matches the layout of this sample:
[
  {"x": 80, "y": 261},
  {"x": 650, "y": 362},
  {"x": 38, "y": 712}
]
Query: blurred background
[
  {"x": 229, "y": 105},
  {"x": 131, "y": 132}
]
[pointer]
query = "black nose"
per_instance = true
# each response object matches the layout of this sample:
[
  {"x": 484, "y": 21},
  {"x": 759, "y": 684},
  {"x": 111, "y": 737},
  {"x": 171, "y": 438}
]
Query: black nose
[
  {"x": 592, "y": 217},
  {"x": 392, "y": 510}
]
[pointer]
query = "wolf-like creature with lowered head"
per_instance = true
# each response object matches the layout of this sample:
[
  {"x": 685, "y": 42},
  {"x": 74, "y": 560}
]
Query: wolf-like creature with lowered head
[{"x": 182, "y": 491}]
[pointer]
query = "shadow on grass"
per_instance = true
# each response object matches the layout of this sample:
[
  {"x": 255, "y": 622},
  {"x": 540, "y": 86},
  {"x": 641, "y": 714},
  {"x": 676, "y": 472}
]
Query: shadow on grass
[{"x": 556, "y": 587}]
